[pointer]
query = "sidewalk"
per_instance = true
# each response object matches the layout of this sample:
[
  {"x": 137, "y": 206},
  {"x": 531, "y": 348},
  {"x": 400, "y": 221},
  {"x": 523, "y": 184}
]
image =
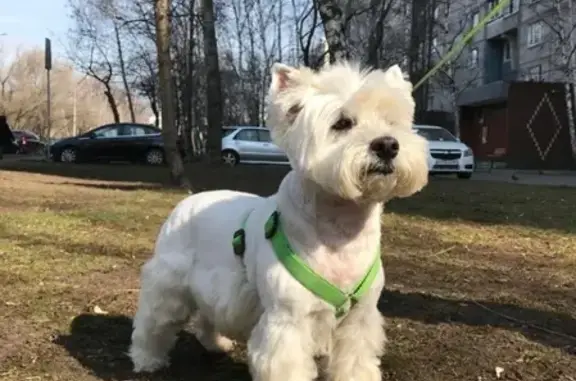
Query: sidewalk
[{"x": 551, "y": 178}]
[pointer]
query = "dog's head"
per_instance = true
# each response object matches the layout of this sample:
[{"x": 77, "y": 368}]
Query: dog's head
[{"x": 348, "y": 130}]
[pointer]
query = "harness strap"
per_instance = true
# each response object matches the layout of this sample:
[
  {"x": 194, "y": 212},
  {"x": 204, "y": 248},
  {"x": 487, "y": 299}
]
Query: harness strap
[{"x": 299, "y": 269}]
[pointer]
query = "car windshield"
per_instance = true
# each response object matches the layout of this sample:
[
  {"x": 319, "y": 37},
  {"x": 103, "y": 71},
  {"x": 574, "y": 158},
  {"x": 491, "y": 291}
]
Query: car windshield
[
  {"x": 436, "y": 134},
  {"x": 19, "y": 133},
  {"x": 227, "y": 131}
]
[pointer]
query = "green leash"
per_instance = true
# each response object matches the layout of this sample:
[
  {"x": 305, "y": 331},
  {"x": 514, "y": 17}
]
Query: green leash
[{"x": 340, "y": 300}]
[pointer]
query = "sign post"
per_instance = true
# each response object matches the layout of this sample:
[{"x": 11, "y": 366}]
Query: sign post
[{"x": 48, "y": 67}]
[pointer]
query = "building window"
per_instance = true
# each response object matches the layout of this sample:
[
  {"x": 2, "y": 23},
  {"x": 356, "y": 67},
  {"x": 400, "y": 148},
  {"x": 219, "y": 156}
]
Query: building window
[
  {"x": 436, "y": 13},
  {"x": 491, "y": 5},
  {"x": 473, "y": 61},
  {"x": 506, "y": 53},
  {"x": 534, "y": 73},
  {"x": 475, "y": 18},
  {"x": 437, "y": 47},
  {"x": 512, "y": 7},
  {"x": 421, "y": 52},
  {"x": 535, "y": 33}
]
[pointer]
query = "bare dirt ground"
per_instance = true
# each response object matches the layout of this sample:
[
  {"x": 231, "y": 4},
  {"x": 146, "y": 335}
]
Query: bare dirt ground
[{"x": 480, "y": 276}]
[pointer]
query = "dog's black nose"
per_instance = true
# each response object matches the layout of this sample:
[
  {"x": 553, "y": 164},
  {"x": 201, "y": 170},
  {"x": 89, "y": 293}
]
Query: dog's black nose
[{"x": 386, "y": 147}]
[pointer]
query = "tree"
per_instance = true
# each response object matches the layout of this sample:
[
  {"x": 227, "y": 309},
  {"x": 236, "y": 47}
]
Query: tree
[
  {"x": 382, "y": 9},
  {"x": 90, "y": 49},
  {"x": 333, "y": 20},
  {"x": 77, "y": 100},
  {"x": 213, "y": 88},
  {"x": 169, "y": 131},
  {"x": 306, "y": 24},
  {"x": 462, "y": 71}
]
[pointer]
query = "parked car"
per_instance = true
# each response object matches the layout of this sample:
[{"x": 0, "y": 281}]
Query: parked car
[
  {"x": 251, "y": 145},
  {"x": 112, "y": 142},
  {"x": 447, "y": 154},
  {"x": 28, "y": 142}
]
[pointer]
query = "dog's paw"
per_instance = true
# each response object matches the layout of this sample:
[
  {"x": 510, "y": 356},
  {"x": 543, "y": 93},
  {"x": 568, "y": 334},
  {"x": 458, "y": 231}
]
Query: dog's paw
[
  {"x": 144, "y": 363},
  {"x": 217, "y": 344}
]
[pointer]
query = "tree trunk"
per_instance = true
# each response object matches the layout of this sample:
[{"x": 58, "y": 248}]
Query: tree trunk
[
  {"x": 123, "y": 73},
  {"x": 112, "y": 103},
  {"x": 377, "y": 33},
  {"x": 213, "y": 84},
  {"x": 456, "y": 109},
  {"x": 188, "y": 96},
  {"x": 154, "y": 108},
  {"x": 333, "y": 21},
  {"x": 169, "y": 133}
]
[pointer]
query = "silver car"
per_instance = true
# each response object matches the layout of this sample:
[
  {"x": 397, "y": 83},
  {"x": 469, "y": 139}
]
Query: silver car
[{"x": 250, "y": 145}]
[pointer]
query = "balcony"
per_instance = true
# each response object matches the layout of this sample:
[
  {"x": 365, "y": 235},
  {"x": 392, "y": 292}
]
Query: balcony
[
  {"x": 493, "y": 92},
  {"x": 502, "y": 25}
]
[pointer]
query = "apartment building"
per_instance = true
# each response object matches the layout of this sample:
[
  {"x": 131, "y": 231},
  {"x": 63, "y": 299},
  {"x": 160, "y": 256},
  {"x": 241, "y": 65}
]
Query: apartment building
[{"x": 523, "y": 42}]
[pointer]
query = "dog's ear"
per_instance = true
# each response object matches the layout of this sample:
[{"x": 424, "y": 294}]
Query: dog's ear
[
  {"x": 285, "y": 80},
  {"x": 395, "y": 78},
  {"x": 286, "y": 77}
]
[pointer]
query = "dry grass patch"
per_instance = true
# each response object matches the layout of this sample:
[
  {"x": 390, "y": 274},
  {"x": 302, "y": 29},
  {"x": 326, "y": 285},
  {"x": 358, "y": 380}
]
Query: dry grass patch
[{"x": 479, "y": 276}]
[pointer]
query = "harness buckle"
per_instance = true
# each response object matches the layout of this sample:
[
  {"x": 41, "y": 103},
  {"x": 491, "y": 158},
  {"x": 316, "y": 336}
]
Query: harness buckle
[
  {"x": 271, "y": 225},
  {"x": 239, "y": 242}
]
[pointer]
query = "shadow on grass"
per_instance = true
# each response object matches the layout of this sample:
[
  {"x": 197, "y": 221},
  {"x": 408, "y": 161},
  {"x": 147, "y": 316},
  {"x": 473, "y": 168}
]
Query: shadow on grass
[
  {"x": 552, "y": 329},
  {"x": 491, "y": 203},
  {"x": 106, "y": 249},
  {"x": 100, "y": 343},
  {"x": 443, "y": 199},
  {"x": 115, "y": 186},
  {"x": 259, "y": 179}
]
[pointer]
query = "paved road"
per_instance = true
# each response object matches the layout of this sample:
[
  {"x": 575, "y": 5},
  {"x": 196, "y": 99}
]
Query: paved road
[{"x": 550, "y": 178}]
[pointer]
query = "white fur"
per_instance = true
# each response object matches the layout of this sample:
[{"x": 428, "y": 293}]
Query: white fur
[{"x": 330, "y": 209}]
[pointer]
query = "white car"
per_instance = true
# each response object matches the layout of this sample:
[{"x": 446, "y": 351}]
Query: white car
[
  {"x": 447, "y": 154},
  {"x": 250, "y": 145}
]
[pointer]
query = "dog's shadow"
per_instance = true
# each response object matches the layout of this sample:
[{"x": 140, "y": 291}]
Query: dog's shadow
[{"x": 100, "y": 343}]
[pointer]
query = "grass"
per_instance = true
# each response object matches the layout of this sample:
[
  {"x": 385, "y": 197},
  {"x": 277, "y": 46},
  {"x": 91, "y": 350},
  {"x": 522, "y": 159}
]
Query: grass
[{"x": 479, "y": 275}]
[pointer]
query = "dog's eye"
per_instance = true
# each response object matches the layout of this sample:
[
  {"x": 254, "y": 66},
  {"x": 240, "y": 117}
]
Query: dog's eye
[
  {"x": 343, "y": 124},
  {"x": 293, "y": 112}
]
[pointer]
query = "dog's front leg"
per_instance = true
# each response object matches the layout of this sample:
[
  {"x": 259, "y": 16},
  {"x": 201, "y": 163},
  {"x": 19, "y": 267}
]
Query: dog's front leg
[
  {"x": 281, "y": 348},
  {"x": 358, "y": 345}
]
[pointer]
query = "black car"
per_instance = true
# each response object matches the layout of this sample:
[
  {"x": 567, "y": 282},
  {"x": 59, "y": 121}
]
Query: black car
[
  {"x": 112, "y": 142},
  {"x": 28, "y": 142}
]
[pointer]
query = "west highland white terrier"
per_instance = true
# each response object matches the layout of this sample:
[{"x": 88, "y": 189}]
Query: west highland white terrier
[{"x": 297, "y": 274}]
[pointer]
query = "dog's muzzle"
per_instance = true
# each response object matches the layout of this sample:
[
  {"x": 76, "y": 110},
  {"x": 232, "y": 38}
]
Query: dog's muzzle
[
  {"x": 384, "y": 150},
  {"x": 381, "y": 168}
]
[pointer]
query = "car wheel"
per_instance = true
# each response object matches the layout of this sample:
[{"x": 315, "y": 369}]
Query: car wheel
[
  {"x": 230, "y": 158},
  {"x": 68, "y": 155},
  {"x": 155, "y": 156},
  {"x": 464, "y": 175}
]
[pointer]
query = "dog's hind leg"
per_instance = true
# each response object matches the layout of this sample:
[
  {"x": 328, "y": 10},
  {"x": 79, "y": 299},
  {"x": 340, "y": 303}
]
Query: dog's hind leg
[
  {"x": 163, "y": 310},
  {"x": 210, "y": 339}
]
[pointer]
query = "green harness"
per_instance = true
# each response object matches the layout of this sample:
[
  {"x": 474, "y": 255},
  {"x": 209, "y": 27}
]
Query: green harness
[{"x": 340, "y": 300}]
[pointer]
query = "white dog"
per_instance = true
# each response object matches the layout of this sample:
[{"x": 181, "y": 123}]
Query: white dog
[{"x": 348, "y": 136}]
